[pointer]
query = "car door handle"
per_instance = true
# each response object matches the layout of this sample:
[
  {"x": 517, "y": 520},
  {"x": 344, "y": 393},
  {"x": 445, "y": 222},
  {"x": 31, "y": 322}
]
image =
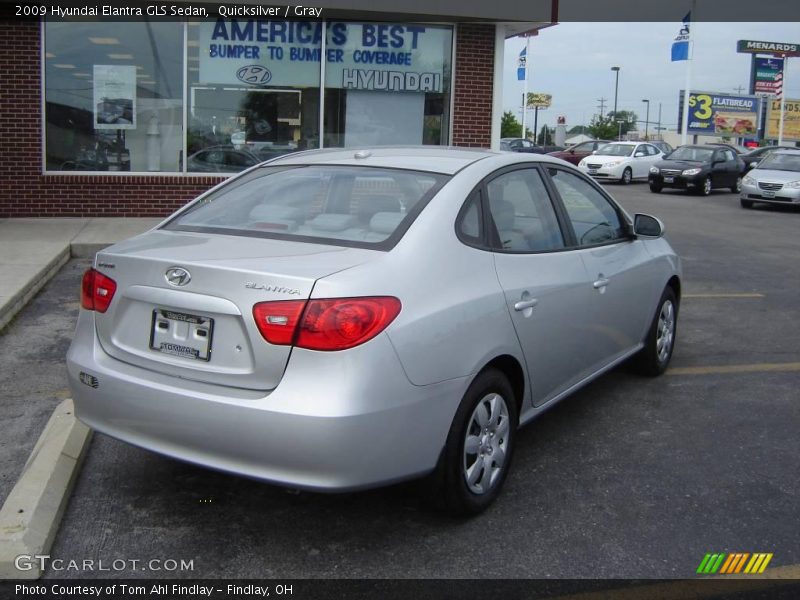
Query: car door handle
[
  {"x": 524, "y": 304},
  {"x": 600, "y": 283}
]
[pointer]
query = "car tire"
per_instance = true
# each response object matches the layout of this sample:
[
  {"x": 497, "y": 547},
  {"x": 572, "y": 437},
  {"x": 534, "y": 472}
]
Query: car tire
[
  {"x": 656, "y": 189},
  {"x": 653, "y": 359},
  {"x": 746, "y": 203},
  {"x": 737, "y": 187},
  {"x": 469, "y": 448},
  {"x": 705, "y": 189},
  {"x": 627, "y": 176}
]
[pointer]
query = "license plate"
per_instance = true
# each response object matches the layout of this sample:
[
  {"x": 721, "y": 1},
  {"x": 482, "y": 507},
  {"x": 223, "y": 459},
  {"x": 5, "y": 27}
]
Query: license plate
[
  {"x": 767, "y": 194},
  {"x": 181, "y": 334},
  {"x": 669, "y": 179},
  {"x": 592, "y": 171}
]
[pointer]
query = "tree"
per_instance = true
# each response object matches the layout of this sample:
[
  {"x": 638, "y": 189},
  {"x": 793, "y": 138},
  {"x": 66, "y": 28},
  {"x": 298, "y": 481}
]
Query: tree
[
  {"x": 628, "y": 118},
  {"x": 510, "y": 127},
  {"x": 603, "y": 128},
  {"x": 545, "y": 136},
  {"x": 578, "y": 129}
]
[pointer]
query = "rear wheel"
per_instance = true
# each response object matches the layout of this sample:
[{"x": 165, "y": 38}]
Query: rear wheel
[
  {"x": 737, "y": 187},
  {"x": 627, "y": 176},
  {"x": 477, "y": 454},
  {"x": 653, "y": 359},
  {"x": 655, "y": 188},
  {"x": 746, "y": 203}
]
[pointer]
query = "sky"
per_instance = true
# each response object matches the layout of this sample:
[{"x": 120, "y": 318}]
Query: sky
[{"x": 572, "y": 61}]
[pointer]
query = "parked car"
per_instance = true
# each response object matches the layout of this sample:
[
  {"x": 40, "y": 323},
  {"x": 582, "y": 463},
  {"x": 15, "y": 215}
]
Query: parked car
[
  {"x": 663, "y": 146},
  {"x": 222, "y": 159},
  {"x": 575, "y": 153},
  {"x": 752, "y": 158},
  {"x": 698, "y": 168},
  {"x": 523, "y": 145},
  {"x": 286, "y": 325},
  {"x": 519, "y": 145},
  {"x": 621, "y": 161},
  {"x": 776, "y": 180},
  {"x": 739, "y": 150}
]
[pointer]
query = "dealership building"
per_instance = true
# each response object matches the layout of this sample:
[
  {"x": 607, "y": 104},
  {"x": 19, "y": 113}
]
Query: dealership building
[{"x": 134, "y": 118}]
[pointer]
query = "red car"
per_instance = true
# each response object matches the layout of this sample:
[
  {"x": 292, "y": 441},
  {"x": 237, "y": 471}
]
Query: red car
[{"x": 575, "y": 153}]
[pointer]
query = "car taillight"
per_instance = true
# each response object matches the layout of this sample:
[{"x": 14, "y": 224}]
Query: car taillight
[
  {"x": 277, "y": 321},
  {"x": 97, "y": 291},
  {"x": 331, "y": 324}
]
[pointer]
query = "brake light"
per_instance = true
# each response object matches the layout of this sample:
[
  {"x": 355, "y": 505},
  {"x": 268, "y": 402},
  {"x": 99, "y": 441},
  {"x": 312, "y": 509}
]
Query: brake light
[
  {"x": 332, "y": 324},
  {"x": 97, "y": 291}
]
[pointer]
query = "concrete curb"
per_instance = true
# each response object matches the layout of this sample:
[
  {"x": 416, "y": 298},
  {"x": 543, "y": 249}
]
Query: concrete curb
[
  {"x": 17, "y": 302},
  {"x": 31, "y": 514},
  {"x": 87, "y": 249}
]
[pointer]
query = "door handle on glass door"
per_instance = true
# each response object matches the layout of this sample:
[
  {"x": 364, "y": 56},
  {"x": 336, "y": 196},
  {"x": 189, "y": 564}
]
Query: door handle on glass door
[{"x": 524, "y": 304}]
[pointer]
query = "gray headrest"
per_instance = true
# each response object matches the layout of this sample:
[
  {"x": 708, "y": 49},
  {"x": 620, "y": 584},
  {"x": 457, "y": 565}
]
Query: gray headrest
[{"x": 386, "y": 222}]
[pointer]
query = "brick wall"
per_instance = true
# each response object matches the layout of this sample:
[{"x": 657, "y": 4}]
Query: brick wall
[
  {"x": 26, "y": 192},
  {"x": 472, "y": 108}
]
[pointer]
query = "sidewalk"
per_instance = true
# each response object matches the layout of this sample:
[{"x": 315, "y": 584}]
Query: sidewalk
[{"x": 33, "y": 250}]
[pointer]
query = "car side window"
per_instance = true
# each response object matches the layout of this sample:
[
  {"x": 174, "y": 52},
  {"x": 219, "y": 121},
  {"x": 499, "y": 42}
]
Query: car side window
[
  {"x": 729, "y": 155},
  {"x": 522, "y": 213},
  {"x": 469, "y": 220},
  {"x": 593, "y": 217}
]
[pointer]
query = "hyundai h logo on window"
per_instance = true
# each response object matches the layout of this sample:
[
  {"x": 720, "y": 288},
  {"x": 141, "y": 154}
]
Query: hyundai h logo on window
[
  {"x": 254, "y": 75},
  {"x": 177, "y": 276}
]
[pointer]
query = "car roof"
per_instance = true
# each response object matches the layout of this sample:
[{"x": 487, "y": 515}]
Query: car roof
[
  {"x": 790, "y": 152},
  {"x": 436, "y": 159}
]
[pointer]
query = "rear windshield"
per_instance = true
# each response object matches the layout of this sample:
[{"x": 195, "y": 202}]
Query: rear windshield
[{"x": 340, "y": 205}]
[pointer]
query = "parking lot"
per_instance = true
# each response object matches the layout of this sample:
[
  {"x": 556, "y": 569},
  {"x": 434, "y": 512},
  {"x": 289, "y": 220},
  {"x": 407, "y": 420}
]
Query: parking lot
[{"x": 629, "y": 478}]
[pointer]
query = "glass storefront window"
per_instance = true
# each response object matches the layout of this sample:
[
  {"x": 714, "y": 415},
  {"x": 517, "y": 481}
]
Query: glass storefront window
[
  {"x": 113, "y": 97},
  {"x": 387, "y": 83},
  {"x": 253, "y": 92}
]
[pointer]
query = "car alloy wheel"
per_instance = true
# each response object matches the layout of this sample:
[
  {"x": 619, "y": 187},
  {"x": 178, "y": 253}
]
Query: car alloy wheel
[
  {"x": 706, "y": 189},
  {"x": 665, "y": 332},
  {"x": 627, "y": 176},
  {"x": 485, "y": 444}
]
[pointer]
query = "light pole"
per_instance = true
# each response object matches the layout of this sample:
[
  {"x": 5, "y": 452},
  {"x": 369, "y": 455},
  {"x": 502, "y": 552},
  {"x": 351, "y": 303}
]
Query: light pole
[
  {"x": 619, "y": 134},
  {"x": 616, "y": 88},
  {"x": 646, "y": 119}
]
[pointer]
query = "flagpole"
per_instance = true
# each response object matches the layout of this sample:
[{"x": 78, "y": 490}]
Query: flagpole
[
  {"x": 688, "y": 83},
  {"x": 525, "y": 86},
  {"x": 783, "y": 96}
]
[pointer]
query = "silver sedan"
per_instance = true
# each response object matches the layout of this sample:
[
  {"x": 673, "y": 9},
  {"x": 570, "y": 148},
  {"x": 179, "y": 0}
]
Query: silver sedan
[
  {"x": 776, "y": 180},
  {"x": 335, "y": 320}
]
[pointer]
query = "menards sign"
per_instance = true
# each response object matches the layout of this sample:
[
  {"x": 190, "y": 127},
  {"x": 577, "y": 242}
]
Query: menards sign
[{"x": 776, "y": 48}]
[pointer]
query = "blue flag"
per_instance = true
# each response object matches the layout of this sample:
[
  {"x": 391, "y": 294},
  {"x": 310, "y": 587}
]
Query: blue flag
[
  {"x": 522, "y": 65},
  {"x": 680, "y": 47}
]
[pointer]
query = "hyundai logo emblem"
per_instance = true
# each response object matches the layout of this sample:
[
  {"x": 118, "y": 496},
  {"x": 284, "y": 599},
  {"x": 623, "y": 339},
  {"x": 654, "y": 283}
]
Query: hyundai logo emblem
[
  {"x": 254, "y": 75},
  {"x": 177, "y": 276}
]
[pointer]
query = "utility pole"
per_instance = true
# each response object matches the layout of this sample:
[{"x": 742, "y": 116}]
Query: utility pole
[
  {"x": 602, "y": 106},
  {"x": 739, "y": 89}
]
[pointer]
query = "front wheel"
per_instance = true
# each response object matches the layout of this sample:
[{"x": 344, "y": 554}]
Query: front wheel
[
  {"x": 477, "y": 454},
  {"x": 746, "y": 203},
  {"x": 653, "y": 359},
  {"x": 737, "y": 187},
  {"x": 627, "y": 176},
  {"x": 655, "y": 188},
  {"x": 705, "y": 187}
]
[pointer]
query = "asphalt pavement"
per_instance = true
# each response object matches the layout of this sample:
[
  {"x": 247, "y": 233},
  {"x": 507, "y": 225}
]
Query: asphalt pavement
[{"x": 630, "y": 477}]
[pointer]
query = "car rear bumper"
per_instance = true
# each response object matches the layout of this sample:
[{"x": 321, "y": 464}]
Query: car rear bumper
[{"x": 338, "y": 421}]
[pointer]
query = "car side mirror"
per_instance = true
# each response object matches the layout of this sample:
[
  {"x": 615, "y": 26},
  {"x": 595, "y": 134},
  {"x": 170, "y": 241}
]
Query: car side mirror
[
  {"x": 594, "y": 151},
  {"x": 647, "y": 226},
  {"x": 639, "y": 154},
  {"x": 753, "y": 165}
]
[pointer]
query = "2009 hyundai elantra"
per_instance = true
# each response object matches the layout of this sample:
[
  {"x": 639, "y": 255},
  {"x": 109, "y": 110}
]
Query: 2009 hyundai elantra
[{"x": 339, "y": 319}]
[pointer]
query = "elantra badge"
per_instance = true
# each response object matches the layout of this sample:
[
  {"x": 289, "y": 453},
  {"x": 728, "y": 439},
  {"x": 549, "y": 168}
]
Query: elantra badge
[{"x": 177, "y": 276}]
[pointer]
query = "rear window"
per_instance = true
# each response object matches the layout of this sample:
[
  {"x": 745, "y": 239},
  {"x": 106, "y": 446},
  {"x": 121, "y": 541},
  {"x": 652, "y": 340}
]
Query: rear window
[{"x": 339, "y": 205}]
